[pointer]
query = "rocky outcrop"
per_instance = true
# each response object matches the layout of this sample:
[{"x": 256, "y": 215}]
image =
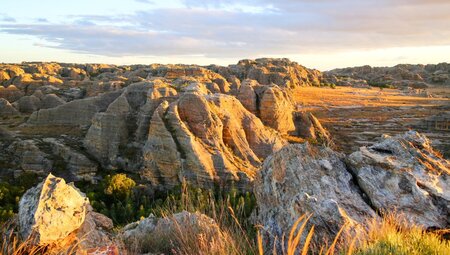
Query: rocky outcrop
[
  {"x": 28, "y": 104},
  {"x": 405, "y": 174},
  {"x": 108, "y": 131},
  {"x": 212, "y": 138},
  {"x": 146, "y": 234},
  {"x": 58, "y": 215},
  {"x": 282, "y": 72},
  {"x": 270, "y": 103},
  {"x": 76, "y": 166},
  {"x": 75, "y": 113},
  {"x": 415, "y": 76},
  {"x": 308, "y": 126},
  {"x": 11, "y": 93},
  {"x": 307, "y": 180},
  {"x": 28, "y": 157},
  {"x": 6, "y": 109},
  {"x": 401, "y": 174}
]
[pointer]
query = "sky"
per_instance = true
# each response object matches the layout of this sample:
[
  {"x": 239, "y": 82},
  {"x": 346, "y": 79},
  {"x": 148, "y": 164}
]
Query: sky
[{"x": 321, "y": 34}]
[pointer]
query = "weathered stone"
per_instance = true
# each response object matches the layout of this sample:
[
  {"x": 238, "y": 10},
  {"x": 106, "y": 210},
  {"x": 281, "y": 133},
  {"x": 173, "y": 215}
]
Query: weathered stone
[
  {"x": 51, "y": 211},
  {"x": 76, "y": 113},
  {"x": 6, "y": 109},
  {"x": 152, "y": 230},
  {"x": 28, "y": 104},
  {"x": 51, "y": 101},
  {"x": 405, "y": 174},
  {"x": 276, "y": 110},
  {"x": 108, "y": 132},
  {"x": 302, "y": 180},
  {"x": 11, "y": 93}
]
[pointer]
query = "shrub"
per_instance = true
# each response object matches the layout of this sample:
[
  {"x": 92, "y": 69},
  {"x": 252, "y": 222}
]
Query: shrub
[{"x": 119, "y": 186}]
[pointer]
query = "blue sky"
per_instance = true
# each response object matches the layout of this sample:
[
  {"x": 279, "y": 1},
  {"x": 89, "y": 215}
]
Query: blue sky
[{"x": 321, "y": 34}]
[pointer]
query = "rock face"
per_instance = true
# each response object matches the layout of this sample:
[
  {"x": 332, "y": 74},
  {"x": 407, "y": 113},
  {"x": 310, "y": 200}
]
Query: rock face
[
  {"x": 405, "y": 174},
  {"x": 270, "y": 103},
  {"x": 303, "y": 179},
  {"x": 51, "y": 211},
  {"x": 210, "y": 138},
  {"x": 57, "y": 214},
  {"x": 401, "y": 174},
  {"x": 147, "y": 234},
  {"x": 76, "y": 113}
]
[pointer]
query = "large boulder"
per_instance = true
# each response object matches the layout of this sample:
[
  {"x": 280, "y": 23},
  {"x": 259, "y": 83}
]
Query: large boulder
[
  {"x": 405, "y": 174},
  {"x": 51, "y": 211},
  {"x": 57, "y": 215},
  {"x": 302, "y": 179}
]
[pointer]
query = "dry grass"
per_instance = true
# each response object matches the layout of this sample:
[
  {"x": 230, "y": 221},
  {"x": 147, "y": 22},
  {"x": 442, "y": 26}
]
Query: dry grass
[
  {"x": 13, "y": 244},
  {"x": 391, "y": 234}
]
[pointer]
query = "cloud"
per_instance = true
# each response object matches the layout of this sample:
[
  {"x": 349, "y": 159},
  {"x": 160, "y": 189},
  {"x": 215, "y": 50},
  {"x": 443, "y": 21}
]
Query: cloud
[
  {"x": 251, "y": 28},
  {"x": 6, "y": 18}
]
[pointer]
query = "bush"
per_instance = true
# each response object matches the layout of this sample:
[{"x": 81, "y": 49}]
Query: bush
[{"x": 119, "y": 186}]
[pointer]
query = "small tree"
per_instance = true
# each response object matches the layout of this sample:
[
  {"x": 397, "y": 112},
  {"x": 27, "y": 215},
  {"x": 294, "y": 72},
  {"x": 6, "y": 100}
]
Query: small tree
[{"x": 119, "y": 186}]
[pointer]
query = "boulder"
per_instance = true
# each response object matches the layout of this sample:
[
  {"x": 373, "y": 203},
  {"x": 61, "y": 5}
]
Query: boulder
[
  {"x": 147, "y": 234},
  {"x": 11, "y": 93},
  {"x": 57, "y": 215},
  {"x": 28, "y": 157},
  {"x": 51, "y": 211},
  {"x": 6, "y": 109},
  {"x": 28, "y": 104},
  {"x": 405, "y": 174},
  {"x": 302, "y": 179},
  {"x": 51, "y": 101},
  {"x": 276, "y": 109},
  {"x": 308, "y": 126}
]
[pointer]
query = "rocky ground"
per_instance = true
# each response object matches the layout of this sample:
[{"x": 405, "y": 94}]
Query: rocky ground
[{"x": 265, "y": 126}]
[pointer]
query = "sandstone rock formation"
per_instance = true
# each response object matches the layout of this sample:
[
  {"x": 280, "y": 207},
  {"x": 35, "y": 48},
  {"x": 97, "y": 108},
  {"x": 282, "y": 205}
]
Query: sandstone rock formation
[
  {"x": 405, "y": 174},
  {"x": 211, "y": 138},
  {"x": 282, "y": 72},
  {"x": 416, "y": 76},
  {"x": 6, "y": 109},
  {"x": 76, "y": 113},
  {"x": 306, "y": 180}
]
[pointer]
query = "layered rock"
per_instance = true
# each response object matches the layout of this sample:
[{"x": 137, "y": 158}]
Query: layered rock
[
  {"x": 306, "y": 180},
  {"x": 6, "y": 109},
  {"x": 282, "y": 72},
  {"x": 405, "y": 174},
  {"x": 416, "y": 76},
  {"x": 75, "y": 113},
  {"x": 214, "y": 138}
]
